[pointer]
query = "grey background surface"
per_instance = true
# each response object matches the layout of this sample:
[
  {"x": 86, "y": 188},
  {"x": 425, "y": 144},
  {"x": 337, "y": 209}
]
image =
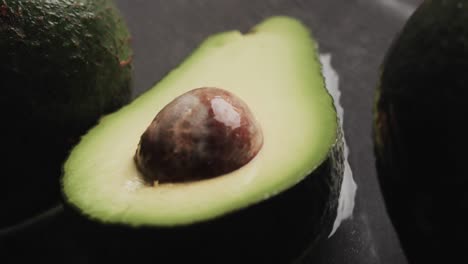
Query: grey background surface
[{"x": 356, "y": 32}]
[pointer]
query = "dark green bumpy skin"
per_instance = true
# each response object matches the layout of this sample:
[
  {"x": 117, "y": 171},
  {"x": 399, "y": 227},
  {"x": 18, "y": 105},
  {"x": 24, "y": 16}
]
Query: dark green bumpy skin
[
  {"x": 281, "y": 229},
  {"x": 420, "y": 133},
  {"x": 63, "y": 64}
]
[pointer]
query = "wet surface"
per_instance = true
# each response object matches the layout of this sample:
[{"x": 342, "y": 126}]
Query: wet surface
[{"x": 348, "y": 186}]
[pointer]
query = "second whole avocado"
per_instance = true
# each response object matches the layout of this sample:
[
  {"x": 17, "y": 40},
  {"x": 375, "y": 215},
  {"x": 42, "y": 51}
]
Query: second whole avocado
[{"x": 63, "y": 64}]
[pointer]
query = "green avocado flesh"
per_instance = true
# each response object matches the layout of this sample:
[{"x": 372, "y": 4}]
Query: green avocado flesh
[{"x": 275, "y": 70}]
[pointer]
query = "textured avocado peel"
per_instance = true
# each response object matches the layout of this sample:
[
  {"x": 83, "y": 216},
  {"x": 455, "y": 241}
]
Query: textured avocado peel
[
  {"x": 63, "y": 65},
  {"x": 419, "y": 140}
]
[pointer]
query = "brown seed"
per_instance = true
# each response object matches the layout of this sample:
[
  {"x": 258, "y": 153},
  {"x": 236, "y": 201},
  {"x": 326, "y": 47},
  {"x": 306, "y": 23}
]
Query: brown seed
[{"x": 204, "y": 133}]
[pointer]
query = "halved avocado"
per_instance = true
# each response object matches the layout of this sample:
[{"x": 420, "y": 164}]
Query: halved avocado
[{"x": 270, "y": 209}]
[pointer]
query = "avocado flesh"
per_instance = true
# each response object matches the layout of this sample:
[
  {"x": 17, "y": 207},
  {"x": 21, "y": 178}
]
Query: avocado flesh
[
  {"x": 419, "y": 133},
  {"x": 63, "y": 64},
  {"x": 274, "y": 70}
]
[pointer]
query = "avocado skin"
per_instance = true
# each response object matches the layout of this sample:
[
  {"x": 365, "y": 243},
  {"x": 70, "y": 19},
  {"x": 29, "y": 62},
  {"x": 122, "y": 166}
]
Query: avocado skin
[
  {"x": 280, "y": 229},
  {"x": 419, "y": 133},
  {"x": 63, "y": 64}
]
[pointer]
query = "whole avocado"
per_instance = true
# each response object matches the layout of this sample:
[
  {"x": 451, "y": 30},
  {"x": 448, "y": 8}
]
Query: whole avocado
[
  {"x": 419, "y": 127},
  {"x": 63, "y": 64}
]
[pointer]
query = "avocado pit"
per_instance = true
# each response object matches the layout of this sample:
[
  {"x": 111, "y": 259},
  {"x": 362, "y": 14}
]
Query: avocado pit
[{"x": 204, "y": 133}]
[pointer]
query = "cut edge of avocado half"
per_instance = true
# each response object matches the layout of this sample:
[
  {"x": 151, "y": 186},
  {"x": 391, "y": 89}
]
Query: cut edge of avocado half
[{"x": 275, "y": 70}]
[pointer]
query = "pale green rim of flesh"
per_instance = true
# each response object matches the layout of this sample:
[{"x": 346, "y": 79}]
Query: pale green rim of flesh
[{"x": 275, "y": 70}]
